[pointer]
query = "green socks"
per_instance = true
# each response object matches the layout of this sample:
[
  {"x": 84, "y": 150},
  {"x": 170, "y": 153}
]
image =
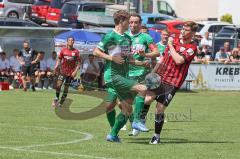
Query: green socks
[
  {"x": 111, "y": 117},
  {"x": 138, "y": 107},
  {"x": 121, "y": 120}
]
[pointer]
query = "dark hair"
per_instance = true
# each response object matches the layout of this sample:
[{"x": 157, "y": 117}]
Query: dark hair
[
  {"x": 70, "y": 37},
  {"x": 192, "y": 25},
  {"x": 42, "y": 52},
  {"x": 54, "y": 52},
  {"x": 4, "y": 53},
  {"x": 166, "y": 30},
  {"x": 136, "y": 15},
  {"x": 25, "y": 41},
  {"x": 120, "y": 16},
  {"x": 15, "y": 50}
]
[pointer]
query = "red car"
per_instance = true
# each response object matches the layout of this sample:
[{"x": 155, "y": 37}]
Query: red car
[
  {"x": 174, "y": 26},
  {"x": 40, "y": 10},
  {"x": 54, "y": 12}
]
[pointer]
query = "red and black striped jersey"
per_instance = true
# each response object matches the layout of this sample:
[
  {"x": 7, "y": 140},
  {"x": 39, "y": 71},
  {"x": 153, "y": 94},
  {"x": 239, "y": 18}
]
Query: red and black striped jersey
[
  {"x": 170, "y": 72},
  {"x": 70, "y": 59}
]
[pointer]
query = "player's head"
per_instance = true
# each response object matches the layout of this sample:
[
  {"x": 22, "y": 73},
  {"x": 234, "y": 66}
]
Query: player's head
[
  {"x": 189, "y": 29},
  {"x": 25, "y": 44},
  {"x": 121, "y": 19},
  {"x": 135, "y": 23},
  {"x": 54, "y": 54},
  {"x": 165, "y": 36},
  {"x": 70, "y": 41}
]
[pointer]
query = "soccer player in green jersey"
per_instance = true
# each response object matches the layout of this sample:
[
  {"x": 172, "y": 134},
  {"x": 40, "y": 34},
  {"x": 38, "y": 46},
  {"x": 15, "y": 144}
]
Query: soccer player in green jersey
[
  {"x": 143, "y": 48},
  {"x": 115, "y": 48},
  {"x": 162, "y": 44}
]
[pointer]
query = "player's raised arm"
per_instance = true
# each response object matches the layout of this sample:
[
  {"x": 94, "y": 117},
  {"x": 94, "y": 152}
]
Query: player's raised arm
[{"x": 176, "y": 56}]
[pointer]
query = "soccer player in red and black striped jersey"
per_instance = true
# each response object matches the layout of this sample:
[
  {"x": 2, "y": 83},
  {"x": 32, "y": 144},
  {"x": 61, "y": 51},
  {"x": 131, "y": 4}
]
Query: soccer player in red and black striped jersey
[
  {"x": 173, "y": 70},
  {"x": 67, "y": 65}
]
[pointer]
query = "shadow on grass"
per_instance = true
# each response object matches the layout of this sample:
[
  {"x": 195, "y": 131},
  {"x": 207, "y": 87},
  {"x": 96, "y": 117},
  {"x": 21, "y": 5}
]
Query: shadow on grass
[{"x": 145, "y": 141}]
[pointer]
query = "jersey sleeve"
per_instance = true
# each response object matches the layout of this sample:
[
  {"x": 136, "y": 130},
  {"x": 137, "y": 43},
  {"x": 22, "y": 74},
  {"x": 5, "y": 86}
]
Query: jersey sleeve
[
  {"x": 102, "y": 45},
  {"x": 150, "y": 43},
  {"x": 78, "y": 57},
  {"x": 189, "y": 53},
  {"x": 60, "y": 56}
]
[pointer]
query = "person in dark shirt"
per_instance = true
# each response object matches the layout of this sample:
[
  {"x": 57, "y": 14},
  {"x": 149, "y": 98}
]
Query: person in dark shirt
[{"x": 29, "y": 60}]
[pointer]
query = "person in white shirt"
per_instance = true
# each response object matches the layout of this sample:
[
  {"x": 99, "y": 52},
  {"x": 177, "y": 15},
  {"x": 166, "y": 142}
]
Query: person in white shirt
[
  {"x": 15, "y": 68},
  {"x": 51, "y": 62},
  {"x": 41, "y": 72},
  {"x": 90, "y": 69},
  {"x": 4, "y": 67},
  {"x": 206, "y": 41}
]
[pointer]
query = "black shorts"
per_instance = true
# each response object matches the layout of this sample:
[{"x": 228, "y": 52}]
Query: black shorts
[
  {"x": 28, "y": 70},
  {"x": 164, "y": 93},
  {"x": 66, "y": 79}
]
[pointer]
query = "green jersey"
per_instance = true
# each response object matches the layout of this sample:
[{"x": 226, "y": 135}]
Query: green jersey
[
  {"x": 114, "y": 43},
  {"x": 140, "y": 41},
  {"x": 161, "y": 49}
]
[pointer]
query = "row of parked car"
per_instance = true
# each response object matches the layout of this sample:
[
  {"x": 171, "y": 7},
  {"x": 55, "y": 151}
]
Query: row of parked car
[{"x": 63, "y": 13}]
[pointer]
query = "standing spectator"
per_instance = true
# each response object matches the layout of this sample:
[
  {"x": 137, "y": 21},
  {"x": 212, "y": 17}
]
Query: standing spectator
[
  {"x": 222, "y": 56},
  {"x": 51, "y": 62},
  {"x": 15, "y": 68},
  {"x": 41, "y": 72},
  {"x": 4, "y": 66},
  {"x": 206, "y": 41},
  {"x": 28, "y": 58},
  {"x": 235, "y": 56}
]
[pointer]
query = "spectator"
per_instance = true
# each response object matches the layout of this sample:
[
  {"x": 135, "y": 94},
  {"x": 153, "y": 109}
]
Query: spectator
[
  {"x": 41, "y": 72},
  {"x": 206, "y": 41},
  {"x": 238, "y": 45},
  {"x": 90, "y": 69},
  {"x": 15, "y": 69},
  {"x": 144, "y": 29},
  {"x": 4, "y": 66},
  {"x": 222, "y": 56},
  {"x": 51, "y": 62},
  {"x": 200, "y": 55},
  {"x": 227, "y": 48},
  {"x": 235, "y": 56}
]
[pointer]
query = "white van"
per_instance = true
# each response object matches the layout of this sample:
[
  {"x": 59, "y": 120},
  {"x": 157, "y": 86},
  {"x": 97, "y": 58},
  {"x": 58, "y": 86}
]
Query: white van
[
  {"x": 14, "y": 8},
  {"x": 151, "y": 6}
]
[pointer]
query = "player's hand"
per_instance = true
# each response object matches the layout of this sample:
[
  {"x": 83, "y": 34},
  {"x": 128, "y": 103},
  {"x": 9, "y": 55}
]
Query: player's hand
[
  {"x": 147, "y": 63},
  {"x": 141, "y": 53},
  {"x": 118, "y": 59},
  {"x": 170, "y": 41}
]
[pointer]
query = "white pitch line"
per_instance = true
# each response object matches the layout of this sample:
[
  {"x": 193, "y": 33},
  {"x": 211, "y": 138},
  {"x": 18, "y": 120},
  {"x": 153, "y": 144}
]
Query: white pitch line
[
  {"x": 54, "y": 153},
  {"x": 87, "y": 137}
]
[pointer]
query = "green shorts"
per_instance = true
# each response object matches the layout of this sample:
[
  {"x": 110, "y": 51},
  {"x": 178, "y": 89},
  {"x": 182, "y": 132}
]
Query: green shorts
[
  {"x": 139, "y": 79},
  {"x": 123, "y": 87},
  {"x": 111, "y": 94}
]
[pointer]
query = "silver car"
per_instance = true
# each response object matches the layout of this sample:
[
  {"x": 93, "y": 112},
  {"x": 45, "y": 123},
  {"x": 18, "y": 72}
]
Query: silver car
[{"x": 14, "y": 8}]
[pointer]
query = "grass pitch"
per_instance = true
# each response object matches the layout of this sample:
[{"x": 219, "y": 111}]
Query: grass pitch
[{"x": 202, "y": 124}]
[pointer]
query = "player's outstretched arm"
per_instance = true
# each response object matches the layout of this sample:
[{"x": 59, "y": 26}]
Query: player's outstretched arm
[{"x": 116, "y": 58}]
